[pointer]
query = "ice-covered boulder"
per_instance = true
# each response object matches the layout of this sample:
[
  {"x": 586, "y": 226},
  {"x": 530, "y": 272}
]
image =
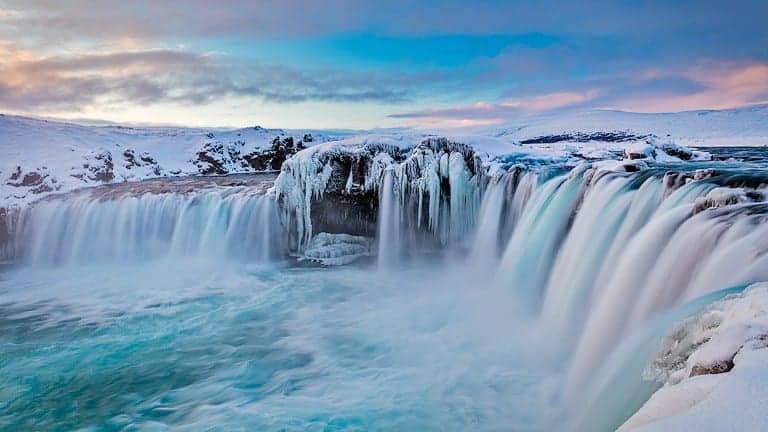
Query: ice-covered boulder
[
  {"x": 713, "y": 367},
  {"x": 725, "y": 196},
  {"x": 662, "y": 151},
  {"x": 336, "y": 249},
  {"x": 331, "y": 187},
  {"x": 640, "y": 150}
]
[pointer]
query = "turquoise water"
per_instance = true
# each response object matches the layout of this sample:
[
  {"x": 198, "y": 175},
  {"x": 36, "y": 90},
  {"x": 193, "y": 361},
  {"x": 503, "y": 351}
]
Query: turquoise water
[{"x": 206, "y": 346}]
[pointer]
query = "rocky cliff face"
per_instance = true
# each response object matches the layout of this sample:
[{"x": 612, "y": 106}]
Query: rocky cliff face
[{"x": 335, "y": 188}]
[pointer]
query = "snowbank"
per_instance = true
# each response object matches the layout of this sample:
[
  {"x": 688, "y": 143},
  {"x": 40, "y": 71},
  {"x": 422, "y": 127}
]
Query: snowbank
[{"x": 714, "y": 369}]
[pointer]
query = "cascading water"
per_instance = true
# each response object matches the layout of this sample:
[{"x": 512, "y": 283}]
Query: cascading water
[
  {"x": 605, "y": 252},
  {"x": 530, "y": 252},
  {"x": 502, "y": 205},
  {"x": 389, "y": 235},
  {"x": 234, "y": 222}
]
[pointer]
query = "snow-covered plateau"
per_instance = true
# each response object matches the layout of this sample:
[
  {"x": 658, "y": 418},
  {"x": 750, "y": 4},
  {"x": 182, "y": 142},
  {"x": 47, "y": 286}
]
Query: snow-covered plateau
[{"x": 587, "y": 271}]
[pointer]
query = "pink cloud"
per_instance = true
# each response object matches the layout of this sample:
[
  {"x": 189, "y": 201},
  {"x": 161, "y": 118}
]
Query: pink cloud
[
  {"x": 550, "y": 101},
  {"x": 486, "y": 114},
  {"x": 722, "y": 86}
]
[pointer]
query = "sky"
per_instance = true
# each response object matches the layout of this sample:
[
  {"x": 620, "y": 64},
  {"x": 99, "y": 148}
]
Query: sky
[{"x": 369, "y": 64}]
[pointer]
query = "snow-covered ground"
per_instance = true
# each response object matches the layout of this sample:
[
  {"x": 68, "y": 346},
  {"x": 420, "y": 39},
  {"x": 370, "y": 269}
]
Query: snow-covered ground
[
  {"x": 708, "y": 128},
  {"x": 40, "y": 157}
]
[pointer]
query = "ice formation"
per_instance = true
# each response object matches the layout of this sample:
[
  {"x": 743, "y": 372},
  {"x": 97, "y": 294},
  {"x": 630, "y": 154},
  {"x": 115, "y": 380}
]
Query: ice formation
[
  {"x": 336, "y": 249},
  {"x": 438, "y": 183}
]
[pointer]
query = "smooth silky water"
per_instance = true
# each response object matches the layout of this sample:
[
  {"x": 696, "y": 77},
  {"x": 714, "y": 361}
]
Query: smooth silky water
[{"x": 179, "y": 310}]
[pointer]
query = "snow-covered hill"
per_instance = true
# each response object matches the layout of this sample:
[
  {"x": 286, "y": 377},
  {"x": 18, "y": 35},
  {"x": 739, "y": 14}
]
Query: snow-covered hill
[
  {"x": 40, "y": 157},
  {"x": 735, "y": 127}
]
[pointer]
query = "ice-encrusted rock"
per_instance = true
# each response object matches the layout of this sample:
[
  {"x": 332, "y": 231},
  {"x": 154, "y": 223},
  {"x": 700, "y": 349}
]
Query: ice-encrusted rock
[
  {"x": 439, "y": 183},
  {"x": 713, "y": 367},
  {"x": 336, "y": 249},
  {"x": 640, "y": 150},
  {"x": 725, "y": 196},
  {"x": 305, "y": 177},
  {"x": 663, "y": 151}
]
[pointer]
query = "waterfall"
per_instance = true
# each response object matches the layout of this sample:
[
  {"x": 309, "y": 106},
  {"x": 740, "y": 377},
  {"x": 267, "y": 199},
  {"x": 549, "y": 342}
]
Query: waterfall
[
  {"x": 593, "y": 255},
  {"x": 529, "y": 254},
  {"x": 599, "y": 254},
  {"x": 389, "y": 235},
  {"x": 597, "y": 224},
  {"x": 234, "y": 222},
  {"x": 503, "y": 203}
]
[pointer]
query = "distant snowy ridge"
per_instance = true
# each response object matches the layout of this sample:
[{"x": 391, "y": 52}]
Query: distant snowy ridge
[{"x": 705, "y": 128}]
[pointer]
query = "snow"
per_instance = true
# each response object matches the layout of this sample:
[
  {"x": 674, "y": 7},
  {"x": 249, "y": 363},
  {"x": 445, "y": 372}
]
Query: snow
[
  {"x": 69, "y": 156},
  {"x": 732, "y": 333},
  {"x": 640, "y": 150},
  {"x": 725, "y": 196},
  {"x": 709, "y": 128}
]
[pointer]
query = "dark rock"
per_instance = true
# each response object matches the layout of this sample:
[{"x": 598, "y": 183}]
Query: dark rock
[
  {"x": 273, "y": 158},
  {"x": 16, "y": 174},
  {"x": 208, "y": 165},
  {"x": 616, "y": 136},
  {"x": 680, "y": 152},
  {"x": 31, "y": 179},
  {"x": 130, "y": 158},
  {"x": 632, "y": 167},
  {"x": 147, "y": 158},
  {"x": 103, "y": 169},
  {"x": 713, "y": 369},
  {"x": 40, "y": 181}
]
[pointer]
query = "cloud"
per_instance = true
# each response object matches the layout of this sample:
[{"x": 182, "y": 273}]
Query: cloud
[
  {"x": 708, "y": 85},
  {"x": 108, "y": 54},
  {"x": 483, "y": 113},
  {"x": 269, "y": 19},
  {"x": 30, "y": 82}
]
